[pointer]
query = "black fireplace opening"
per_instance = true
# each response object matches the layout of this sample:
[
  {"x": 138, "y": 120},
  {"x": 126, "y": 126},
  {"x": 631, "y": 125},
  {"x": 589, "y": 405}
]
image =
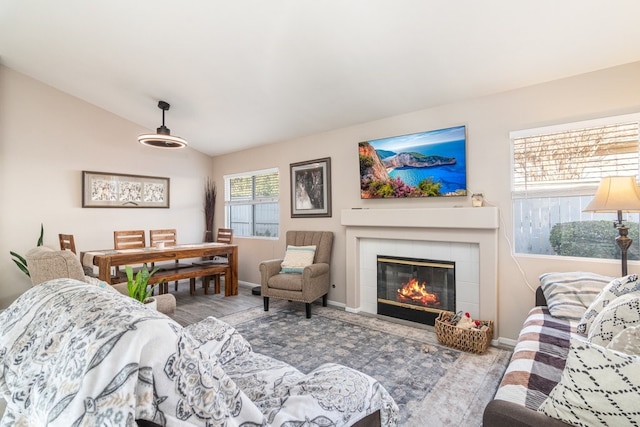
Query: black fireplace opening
[{"x": 415, "y": 289}]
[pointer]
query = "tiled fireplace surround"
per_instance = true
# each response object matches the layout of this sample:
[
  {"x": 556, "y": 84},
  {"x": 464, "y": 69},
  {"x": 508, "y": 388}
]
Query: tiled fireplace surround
[{"x": 467, "y": 236}]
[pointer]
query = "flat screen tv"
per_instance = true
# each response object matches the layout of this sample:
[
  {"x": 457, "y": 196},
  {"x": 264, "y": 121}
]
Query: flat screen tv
[{"x": 425, "y": 164}]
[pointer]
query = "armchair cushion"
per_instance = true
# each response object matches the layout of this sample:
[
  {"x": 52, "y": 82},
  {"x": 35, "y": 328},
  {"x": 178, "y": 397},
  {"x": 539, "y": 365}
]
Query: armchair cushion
[{"x": 297, "y": 258}]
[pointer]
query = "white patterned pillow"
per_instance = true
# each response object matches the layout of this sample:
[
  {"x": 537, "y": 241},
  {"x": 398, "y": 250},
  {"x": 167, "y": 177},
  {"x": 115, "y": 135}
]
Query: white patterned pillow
[
  {"x": 613, "y": 290},
  {"x": 569, "y": 294},
  {"x": 621, "y": 313},
  {"x": 99, "y": 283},
  {"x": 297, "y": 258},
  {"x": 598, "y": 387},
  {"x": 627, "y": 341}
]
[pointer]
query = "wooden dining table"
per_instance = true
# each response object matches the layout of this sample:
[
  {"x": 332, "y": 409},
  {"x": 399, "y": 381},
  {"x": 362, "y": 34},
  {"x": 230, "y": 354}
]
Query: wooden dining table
[{"x": 104, "y": 259}]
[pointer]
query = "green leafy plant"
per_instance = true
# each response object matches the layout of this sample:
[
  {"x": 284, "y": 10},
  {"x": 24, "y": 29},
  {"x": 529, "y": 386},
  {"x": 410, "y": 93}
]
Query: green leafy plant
[
  {"x": 591, "y": 239},
  {"x": 138, "y": 285},
  {"x": 20, "y": 261}
]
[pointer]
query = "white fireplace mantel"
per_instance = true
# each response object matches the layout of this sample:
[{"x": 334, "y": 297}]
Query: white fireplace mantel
[
  {"x": 455, "y": 225},
  {"x": 474, "y": 218}
]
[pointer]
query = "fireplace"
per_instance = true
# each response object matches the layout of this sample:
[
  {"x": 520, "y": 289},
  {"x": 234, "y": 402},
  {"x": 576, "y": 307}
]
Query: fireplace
[{"x": 415, "y": 289}]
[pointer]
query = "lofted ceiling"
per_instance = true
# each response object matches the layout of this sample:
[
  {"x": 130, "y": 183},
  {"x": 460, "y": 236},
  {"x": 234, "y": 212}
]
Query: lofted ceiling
[{"x": 242, "y": 73}]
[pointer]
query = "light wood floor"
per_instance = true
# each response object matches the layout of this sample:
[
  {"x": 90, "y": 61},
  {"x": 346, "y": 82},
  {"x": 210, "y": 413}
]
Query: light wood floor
[{"x": 193, "y": 308}]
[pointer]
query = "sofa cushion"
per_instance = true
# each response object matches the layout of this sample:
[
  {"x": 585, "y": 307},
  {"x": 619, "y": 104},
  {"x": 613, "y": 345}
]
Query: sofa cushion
[
  {"x": 615, "y": 289},
  {"x": 538, "y": 359},
  {"x": 627, "y": 341},
  {"x": 598, "y": 387},
  {"x": 620, "y": 314},
  {"x": 297, "y": 258},
  {"x": 569, "y": 294}
]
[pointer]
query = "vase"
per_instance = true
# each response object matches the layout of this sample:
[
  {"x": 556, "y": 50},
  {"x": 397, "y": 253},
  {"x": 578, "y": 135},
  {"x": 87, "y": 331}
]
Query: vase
[{"x": 151, "y": 302}]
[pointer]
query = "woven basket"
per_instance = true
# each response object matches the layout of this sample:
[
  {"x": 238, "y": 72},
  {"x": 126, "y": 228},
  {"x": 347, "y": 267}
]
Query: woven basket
[{"x": 472, "y": 340}]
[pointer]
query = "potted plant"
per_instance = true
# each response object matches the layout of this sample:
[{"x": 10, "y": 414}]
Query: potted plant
[
  {"x": 20, "y": 261},
  {"x": 138, "y": 285}
]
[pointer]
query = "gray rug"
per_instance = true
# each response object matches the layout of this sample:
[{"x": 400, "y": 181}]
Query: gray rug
[{"x": 437, "y": 387}]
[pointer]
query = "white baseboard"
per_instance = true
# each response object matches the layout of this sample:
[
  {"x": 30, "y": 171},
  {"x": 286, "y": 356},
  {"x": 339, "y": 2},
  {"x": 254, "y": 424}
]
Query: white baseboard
[{"x": 504, "y": 342}]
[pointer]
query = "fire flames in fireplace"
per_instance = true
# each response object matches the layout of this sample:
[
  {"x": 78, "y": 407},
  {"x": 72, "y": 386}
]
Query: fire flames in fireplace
[
  {"x": 416, "y": 293},
  {"x": 415, "y": 289}
]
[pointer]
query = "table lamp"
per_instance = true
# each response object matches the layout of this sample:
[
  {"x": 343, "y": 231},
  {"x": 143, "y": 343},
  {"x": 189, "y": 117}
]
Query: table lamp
[{"x": 617, "y": 194}]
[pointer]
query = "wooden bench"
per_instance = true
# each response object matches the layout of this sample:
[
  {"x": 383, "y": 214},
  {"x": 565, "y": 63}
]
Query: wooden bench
[{"x": 192, "y": 273}]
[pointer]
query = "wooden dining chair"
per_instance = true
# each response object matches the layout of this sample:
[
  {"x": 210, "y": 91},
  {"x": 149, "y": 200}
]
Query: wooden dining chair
[
  {"x": 128, "y": 239},
  {"x": 168, "y": 236},
  {"x": 225, "y": 235},
  {"x": 67, "y": 242}
]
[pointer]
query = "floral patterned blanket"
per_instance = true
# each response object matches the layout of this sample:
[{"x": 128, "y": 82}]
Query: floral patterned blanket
[{"x": 73, "y": 354}]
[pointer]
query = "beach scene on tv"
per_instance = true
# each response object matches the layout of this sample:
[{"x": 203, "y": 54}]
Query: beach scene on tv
[{"x": 425, "y": 164}]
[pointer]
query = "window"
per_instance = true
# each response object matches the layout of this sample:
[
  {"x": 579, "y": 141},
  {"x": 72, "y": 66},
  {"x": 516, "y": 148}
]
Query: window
[
  {"x": 555, "y": 173},
  {"x": 251, "y": 203}
]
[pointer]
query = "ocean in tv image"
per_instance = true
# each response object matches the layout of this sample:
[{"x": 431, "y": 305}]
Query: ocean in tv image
[{"x": 437, "y": 159}]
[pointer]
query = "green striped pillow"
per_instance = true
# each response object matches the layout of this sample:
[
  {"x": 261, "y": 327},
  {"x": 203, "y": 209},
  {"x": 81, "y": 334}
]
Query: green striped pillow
[{"x": 297, "y": 258}]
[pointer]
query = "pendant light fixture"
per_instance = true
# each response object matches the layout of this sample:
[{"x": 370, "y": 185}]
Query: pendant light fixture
[{"x": 163, "y": 138}]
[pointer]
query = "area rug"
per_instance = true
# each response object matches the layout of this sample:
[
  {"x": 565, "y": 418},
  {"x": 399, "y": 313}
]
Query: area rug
[{"x": 433, "y": 385}]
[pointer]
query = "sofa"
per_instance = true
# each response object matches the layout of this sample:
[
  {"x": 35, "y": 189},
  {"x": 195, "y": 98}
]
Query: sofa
[
  {"x": 577, "y": 358},
  {"x": 78, "y": 355},
  {"x": 47, "y": 264}
]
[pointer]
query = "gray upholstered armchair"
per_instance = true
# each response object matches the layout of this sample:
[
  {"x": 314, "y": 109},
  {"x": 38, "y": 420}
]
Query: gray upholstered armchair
[
  {"x": 308, "y": 286},
  {"x": 47, "y": 264}
]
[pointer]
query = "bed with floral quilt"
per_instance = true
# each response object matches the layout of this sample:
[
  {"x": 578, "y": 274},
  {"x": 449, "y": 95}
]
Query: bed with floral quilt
[{"x": 72, "y": 354}]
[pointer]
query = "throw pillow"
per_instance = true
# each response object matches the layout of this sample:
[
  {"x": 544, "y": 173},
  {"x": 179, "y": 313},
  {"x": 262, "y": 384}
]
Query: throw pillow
[
  {"x": 569, "y": 294},
  {"x": 99, "y": 283},
  {"x": 621, "y": 313},
  {"x": 598, "y": 387},
  {"x": 627, "y": 341},
  {"x": 613, "y": 290},
  {"x": 297, "y": 258}
]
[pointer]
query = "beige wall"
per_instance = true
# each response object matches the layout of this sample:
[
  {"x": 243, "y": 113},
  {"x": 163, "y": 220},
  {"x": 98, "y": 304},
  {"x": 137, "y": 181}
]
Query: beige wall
[
  {"x": 46, "y": 139},
  {"x": 489, "y": 121}
]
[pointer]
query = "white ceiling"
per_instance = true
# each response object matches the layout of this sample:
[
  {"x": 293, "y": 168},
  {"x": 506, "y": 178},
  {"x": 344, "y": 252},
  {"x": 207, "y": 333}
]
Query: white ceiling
[{"x": 241, "y": 73}]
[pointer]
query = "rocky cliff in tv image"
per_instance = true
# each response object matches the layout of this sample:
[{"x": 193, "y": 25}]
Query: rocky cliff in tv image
[{"x": 416, "y": 160}]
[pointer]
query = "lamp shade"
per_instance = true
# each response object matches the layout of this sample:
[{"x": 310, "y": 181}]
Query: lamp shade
[{"x": 616, "y": 193}]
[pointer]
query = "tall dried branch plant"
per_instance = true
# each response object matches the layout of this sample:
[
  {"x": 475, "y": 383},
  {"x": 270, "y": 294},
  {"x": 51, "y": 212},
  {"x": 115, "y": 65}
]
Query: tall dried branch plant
[{"x": 210, "y": 192}]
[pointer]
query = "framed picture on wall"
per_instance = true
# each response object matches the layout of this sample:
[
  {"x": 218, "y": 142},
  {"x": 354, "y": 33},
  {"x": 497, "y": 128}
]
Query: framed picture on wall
[
  {"x": 115, "y": 190},
  {"x": 311, "y": 188}
]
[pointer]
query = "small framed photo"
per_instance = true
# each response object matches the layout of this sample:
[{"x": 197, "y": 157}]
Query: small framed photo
[
  {"x": 311, "y": 188},
  {"x": 115, "y": 190}
]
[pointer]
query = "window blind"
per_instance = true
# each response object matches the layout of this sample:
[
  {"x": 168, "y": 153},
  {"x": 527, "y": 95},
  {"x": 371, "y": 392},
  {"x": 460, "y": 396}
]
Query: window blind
[
  {"x": 566, "y": 160},
  {"x": 257, "y": 185}
]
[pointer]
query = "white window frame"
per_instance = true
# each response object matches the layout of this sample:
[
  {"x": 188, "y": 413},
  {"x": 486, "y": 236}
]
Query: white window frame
[
  {"x": 254, "y": 201},
  {"x": 584, "y": 191}
]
